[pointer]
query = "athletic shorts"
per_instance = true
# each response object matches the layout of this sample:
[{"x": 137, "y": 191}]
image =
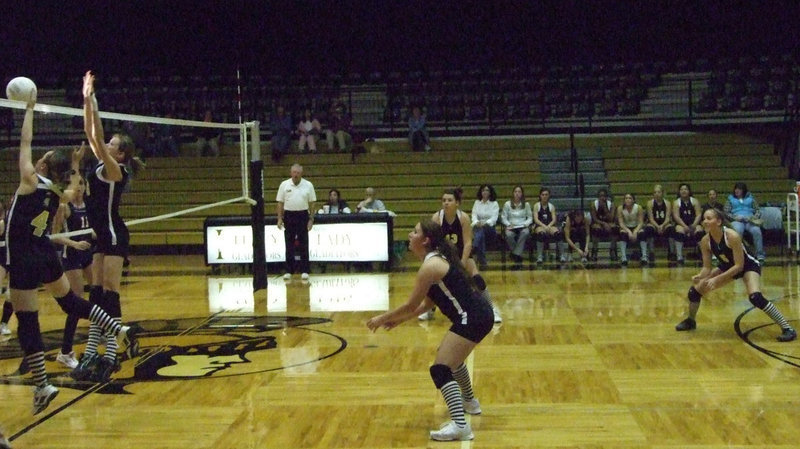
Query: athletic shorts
[
  {"x": 108, "y": 245},
  {"x": 76, "y": 259},
  {"x": 749, "y": 265},
  {"x": 479, "y": 323},
  {"x": 38, "y": 264}
]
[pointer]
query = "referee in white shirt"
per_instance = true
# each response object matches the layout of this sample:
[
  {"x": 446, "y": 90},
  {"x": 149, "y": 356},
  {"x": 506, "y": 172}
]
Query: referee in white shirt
[{"x": 296, "y": 199}]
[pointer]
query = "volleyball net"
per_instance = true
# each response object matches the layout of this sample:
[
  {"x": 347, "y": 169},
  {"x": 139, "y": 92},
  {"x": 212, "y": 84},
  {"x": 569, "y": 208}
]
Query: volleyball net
[{"x": 194, "y": 168}]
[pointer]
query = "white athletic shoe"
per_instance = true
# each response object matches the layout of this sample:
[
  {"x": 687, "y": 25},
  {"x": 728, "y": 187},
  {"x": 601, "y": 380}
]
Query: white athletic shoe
[
  {"x": 473, "y": 407},
  {"x": 42, "y": 396},
  {"x": 4, "y": 444},
  {"x": 451, "y": 432},
  {"x": 497, "y": 317},
  {"x": 287, "y": 277},
  {"x": 4, "y": 330},
  {"x": 67, "y": 360},
  {"x": 426, "y": 316},
  {"x": 304, "y": 276}
]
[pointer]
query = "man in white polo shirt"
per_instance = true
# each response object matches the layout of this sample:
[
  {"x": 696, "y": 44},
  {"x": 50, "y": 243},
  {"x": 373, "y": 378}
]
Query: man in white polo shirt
[{"x": 296, "y": 199}]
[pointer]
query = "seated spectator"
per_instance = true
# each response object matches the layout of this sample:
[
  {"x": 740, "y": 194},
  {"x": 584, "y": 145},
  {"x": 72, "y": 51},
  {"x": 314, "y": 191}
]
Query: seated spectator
[
  {"x": 309, "y": 130},
  {"x": 418, "y": 136},
  {"x": 576, "y": 235},
  {"x": 208, "y": 138},
  {"x": 167, "y": 138},
  {"x": 517, "y": 218},
  {"x": 631, "y": 229},
  {"x": 659, "y": 222},
  {"x": 370, "y": 203},
  {"x": 687, "y": 215},
  {"x": 604, "y": 224},
  {"x": 335, "y": 204},
  {"x": 745, "y": 215},
  {"x": 485, "y": 213},
  {"x": 712, "y": 202},
  {"x": 340, "y": 127},
  {"x": 281, "y": 127},
  {"x": 545, "y": 226}
]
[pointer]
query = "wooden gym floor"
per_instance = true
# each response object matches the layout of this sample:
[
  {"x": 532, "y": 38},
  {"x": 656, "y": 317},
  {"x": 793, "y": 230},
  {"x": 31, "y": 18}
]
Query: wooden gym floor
[{"x": 585, "y": 358}]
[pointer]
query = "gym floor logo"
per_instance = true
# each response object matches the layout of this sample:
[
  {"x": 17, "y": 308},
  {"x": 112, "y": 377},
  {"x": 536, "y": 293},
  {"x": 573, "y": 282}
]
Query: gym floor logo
[{"x": 199, "y": 348}]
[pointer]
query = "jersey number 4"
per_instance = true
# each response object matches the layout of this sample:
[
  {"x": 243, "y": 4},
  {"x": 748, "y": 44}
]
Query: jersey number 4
[{"x": 40, "y": 223}]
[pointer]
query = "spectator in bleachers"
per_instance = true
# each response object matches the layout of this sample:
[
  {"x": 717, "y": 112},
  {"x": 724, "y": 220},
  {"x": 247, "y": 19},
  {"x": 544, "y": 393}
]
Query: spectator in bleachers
[
  {"x": 576, "y": 235},
  {"x": 687, "y": 213},
  {"x": 335, "y": 204},
  {"x": 745, "y": 215},
  {"x": 208, "y": 138},
  {"x": 370, "y": 203},
  {"x": 517, "y": 218},
  {"x": 604, "y": 225},
  {"x": 281, "y": 127},
  {"x": 309, "y": 130},
  {"x": 545, "y": 226},
  {"x": 418, "y": 136},
  {"x": 631, "y": 229},
  {"x": 659, "y": 222},
  {"x": 712, "y": 202},
  {"x": 340, "y": 127},
  {"x": 485, "y": 212},
  {"x": 167, "y": 138}
]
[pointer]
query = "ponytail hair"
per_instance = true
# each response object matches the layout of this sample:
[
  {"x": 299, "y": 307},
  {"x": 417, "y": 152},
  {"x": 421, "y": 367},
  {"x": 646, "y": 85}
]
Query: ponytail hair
[
  {"x": 127, "y": 147},
  {"x": 438, "y": 243}
]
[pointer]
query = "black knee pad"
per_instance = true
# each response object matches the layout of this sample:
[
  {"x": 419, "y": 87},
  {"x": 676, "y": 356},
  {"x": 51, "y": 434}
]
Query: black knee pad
[
  {"x": 29, "y": 333},
  {"x": 679, "y": 237},
  {"x": 111, "y": 304},
  {"x": 758, "y": 300},
  {"x": 96, "y": 294},
  {"x": 694, "y": 295},
  {"x": 441, "y": 375},
  {"x": 479, "y": 282},
  {"x": 73, "y": 304}
]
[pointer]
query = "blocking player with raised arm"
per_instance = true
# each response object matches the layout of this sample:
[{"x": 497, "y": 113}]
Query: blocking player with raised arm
[{"x": 32, "y": 258}]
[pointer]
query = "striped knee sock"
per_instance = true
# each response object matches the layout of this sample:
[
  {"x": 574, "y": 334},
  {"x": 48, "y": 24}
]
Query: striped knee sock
[
  {"x": 776, "y": 315},
  {"x": 455, "y": 405},
  {"x": 461, "y": 376}
]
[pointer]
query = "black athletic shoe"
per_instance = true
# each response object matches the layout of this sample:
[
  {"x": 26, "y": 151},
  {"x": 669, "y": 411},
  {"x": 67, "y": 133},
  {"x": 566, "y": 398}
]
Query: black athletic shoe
[
  {"x": 85, "y": 367},
  {"x": 788, "y": 334},
  {"x": 686, "y": 325},
  {"x": 103, "y": 371}
]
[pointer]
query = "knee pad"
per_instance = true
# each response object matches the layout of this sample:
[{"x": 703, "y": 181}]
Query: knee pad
[
  {"x": 95, "y": 294},
  {"x": 29, "y": 333},
  {"x": 679, "y": 237},
  {"x": 758, "y": 300},
  {"x": 441, "y": 375},
  {"x": 72, "y": 304},
  {"x": 694, "y": 295},
  {"x": 111, "y": 304},
  {"x": 479, "y": 282}
]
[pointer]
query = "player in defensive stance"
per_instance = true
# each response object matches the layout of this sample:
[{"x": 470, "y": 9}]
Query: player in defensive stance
[
  {"x": 734, "y": 263},
  {"x": 442, "y": 280}
]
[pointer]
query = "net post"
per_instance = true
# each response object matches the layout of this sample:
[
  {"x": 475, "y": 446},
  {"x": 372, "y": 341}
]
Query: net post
[{"x": 257, "y": 211}]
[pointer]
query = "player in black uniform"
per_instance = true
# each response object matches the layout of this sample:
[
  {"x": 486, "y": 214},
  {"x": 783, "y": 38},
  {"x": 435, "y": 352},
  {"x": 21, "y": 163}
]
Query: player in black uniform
[
  {"x": 443, "y": 281},
  {"x": 32, "y": 258},
  {"x": 106, "y": 183},
  {"x": 545, "y": 223},
  {"x": 659, "y": 221},
  {"x": 457, "y": 229},
  {"x": 734, "y": 263},
  {"x": 687, "y": 215}
]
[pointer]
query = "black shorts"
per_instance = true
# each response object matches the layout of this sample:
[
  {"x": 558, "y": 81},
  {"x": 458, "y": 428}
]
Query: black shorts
[
  {"x": 76, "y": 260},
  {"x": 116, "y": 244},
  {"x": 30, "y": 267},
  {"x": 479, "y": 323},
  {"x": 749, "y": 265}
]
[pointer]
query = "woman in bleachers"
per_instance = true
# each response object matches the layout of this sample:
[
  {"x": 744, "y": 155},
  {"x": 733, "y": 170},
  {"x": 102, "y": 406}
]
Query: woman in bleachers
[
  {"x": 485, "y": 212},
  {"x": 517, "y": 218},
  {"x": 604, "y": 224},
  {"x": 545, "y": 225},
  {"x": 745, "y": 215},
  {"x": 309, "y": 131},
  {"x": 687, "y": 214},
  {"x": 631, "y": 225},
  {"x": 659, "y": 221}
]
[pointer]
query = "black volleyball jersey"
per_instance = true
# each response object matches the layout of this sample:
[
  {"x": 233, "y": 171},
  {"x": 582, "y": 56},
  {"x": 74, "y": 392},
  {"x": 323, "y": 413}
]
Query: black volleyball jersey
[
  {"x": 103, "y": 198},
  {"x": 454, "y": 294},
  {"x": 724, "y": 253},
  {"x": 659, "y": 212},
  {"x": 686, "y": 211},
  {"x": 545, "y": 213},
  {"x": 452, "y": 231},
  {"x": 78, "y": 220},
  {"x": 30, "y": 218}
]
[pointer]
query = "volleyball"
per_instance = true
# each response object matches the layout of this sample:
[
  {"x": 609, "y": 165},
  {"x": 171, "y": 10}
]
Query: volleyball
[{"x": 20, "y": 89}]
